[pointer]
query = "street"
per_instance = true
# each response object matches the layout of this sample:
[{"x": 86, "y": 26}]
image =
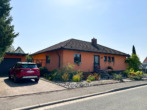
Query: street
[{"x": 131, "y": 99}]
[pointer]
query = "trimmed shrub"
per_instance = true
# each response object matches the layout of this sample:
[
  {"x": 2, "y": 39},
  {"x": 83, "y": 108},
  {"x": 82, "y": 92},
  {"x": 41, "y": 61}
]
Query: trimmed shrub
[
  {"x": 76, "y": 78},
  {"x": 65, "y": 77},
  {"x": 80, "y": 73},
  {"x": 91, "y": 78},
  {"x": 136, "y": 75},
  {"x": 88, "y": 80},
  {"x": 97, "y": 76},
  {"x": 118, "y": 77},
  {"x": 43, "y": 70}
]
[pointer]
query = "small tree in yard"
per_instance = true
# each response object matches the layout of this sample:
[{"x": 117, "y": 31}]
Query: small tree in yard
[
  {"x": 7, "y": 33},
  {"x": 134, "y": 50},
  {"x": 133, "y": 61}
]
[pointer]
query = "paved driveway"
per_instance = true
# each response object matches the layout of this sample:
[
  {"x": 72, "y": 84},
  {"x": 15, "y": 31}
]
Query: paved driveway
[{"x": 9, "y": 88}]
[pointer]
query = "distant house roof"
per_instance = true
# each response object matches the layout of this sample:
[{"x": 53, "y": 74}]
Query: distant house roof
[
  {"x": 79, "y": 45},
  {"x": 16, "y": 53},
  {"x": 145, "y": 61},
  {"x": 19, "y": 50}
]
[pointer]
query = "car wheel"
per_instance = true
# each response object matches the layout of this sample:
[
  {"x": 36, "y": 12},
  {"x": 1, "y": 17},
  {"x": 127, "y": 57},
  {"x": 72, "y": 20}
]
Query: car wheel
[
  {"x": 36, "y": 80},
  {"x": 15, "y": 79},
  {"x": 10, "y": 77}
]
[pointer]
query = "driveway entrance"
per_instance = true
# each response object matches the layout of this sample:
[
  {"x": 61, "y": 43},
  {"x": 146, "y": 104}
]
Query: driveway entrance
[{"x": 9, "y": 88}]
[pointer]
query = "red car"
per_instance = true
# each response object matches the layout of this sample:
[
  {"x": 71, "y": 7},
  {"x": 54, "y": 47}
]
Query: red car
[{"x": 24, "y": 70}]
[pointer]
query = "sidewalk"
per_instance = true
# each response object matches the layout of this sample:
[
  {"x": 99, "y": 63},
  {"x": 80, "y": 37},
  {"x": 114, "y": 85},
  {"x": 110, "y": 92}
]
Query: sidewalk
[{"x": 36, "y": 99}]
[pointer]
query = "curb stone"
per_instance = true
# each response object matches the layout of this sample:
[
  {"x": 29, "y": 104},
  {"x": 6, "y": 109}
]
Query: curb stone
[{"x": 76, "y": 98}]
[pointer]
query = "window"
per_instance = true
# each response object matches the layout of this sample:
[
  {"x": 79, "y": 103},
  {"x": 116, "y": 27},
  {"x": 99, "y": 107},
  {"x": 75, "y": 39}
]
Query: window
[
  {"x": 77, "y": 58},
  {"x": 113, "y": 59},
  {"x": 47, "y": 59},
  {"x": 28, "y": 66},
  {"x": 105, "y": 58},
  {"x": 109, "y": 59}
]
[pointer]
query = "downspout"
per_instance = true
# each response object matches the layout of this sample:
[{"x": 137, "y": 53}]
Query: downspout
[{"x": 59, "y": 58}]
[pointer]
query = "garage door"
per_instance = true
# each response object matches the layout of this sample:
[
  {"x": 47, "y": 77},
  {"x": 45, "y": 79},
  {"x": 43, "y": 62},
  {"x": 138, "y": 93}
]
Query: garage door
[{"x": 6, "y": 64}]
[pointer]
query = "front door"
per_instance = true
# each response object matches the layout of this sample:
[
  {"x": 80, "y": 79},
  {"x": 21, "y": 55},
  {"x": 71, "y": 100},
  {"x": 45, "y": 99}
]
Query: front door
[{"x": 96, "y": 62}]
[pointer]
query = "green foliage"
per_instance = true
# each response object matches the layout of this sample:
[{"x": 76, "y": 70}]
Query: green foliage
[
  {"x": 88, "y": 80},
  {"x": 80, "y": 73},
  {"x": 57, "y": 76},
  {"x": 65, "y": 77},
  {"x": 11, "y": 49},
  {"x": 7, "y": 33},
  {"x": 76, "y": 78},
  {"x": 97, "y": 76},
  {"x": 69, "y": 69},
  {"x": 118, "y": 77},
  {"x": 91, "y": 78},
  {"x": 29, "y": 58},
  {"x": 134, "y": 50},
  {"x": 136, "y": 75},
  {"x": 43, "y": 70},
  {"x": 133, "y": 63}
]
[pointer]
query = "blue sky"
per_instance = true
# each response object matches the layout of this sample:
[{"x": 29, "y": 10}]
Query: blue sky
[{"x": 117, "y": 24}]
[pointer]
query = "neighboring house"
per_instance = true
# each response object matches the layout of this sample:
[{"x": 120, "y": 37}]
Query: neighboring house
[
  {"x": 10, "y": 59},
  {"x": 19, "y": 50},
  {"x": 144, "y": 65},
  {"x": 85, "y": 55}
]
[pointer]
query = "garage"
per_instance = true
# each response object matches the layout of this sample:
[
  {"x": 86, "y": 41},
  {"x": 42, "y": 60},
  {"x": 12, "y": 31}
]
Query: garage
[{"x": 10, "y": 59}]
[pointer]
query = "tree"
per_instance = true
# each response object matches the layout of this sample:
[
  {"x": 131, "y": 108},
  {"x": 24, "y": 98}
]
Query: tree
[
  {"x": 133, "y": 62},
  {"x": 7, "y": 33},
  {"x": 134, "y": 50},
  {"x": 29, "y": 58},
  {"x": 11, "y": 49}
]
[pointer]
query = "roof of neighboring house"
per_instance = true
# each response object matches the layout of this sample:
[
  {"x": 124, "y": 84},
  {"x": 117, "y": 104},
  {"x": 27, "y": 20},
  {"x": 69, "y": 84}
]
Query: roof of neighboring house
[
  {"x": 19, "y": 50},
  {"x": 145, "y": 61},
  {"x": 16, "y": 53},
  {"x": 79, "y": 45}
]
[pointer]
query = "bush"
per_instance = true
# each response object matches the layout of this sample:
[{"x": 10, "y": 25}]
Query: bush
[
  {"x": 136, "y": 75},
  {"x": 88, "y": 80},
  {"x": 91, "y": 78},
  {"x": 65, "y": 77},
  {"x": 80, "y": 73},
  {"x": 57, "y": 75},
  {"x": 97, "y": 76},
  {"x": 118, "y": 77},
  {"x": 76, "y": 78},
  {"x": 43, "y": 70},
  {"x": 125, "y": 73}
]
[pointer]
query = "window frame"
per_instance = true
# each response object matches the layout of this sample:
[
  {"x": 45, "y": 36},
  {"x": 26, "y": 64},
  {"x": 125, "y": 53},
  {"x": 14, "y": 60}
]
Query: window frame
[
  {"x": 113, "y": 59},
  {"x": 48, "y": 60},
  {"x": 105, "y": 58},
  {"x": 79, "y": 56},
  {"x": 109, "y": 59}
]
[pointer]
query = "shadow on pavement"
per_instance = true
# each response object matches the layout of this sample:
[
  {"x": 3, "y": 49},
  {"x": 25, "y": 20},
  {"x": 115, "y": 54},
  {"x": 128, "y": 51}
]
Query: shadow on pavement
[{"x": 19, "y": 83}]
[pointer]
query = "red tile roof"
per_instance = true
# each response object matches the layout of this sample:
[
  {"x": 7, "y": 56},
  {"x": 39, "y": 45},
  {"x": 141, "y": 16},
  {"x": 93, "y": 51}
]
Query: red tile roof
[
  {"x": 145, "y": 61},
  {"x": 74, "y": 44}
]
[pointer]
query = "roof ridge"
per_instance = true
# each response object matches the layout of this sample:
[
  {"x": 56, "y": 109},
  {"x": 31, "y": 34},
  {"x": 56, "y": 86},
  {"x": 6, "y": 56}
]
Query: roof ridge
[{"x": 68, "y": 41}]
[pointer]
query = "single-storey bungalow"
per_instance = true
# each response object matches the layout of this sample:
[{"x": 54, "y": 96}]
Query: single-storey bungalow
[{"x": 84, "y": 55}]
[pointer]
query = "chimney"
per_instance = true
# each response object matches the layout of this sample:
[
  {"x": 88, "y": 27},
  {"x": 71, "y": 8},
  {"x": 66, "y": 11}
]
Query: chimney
[{"x": 94, "y": 42}]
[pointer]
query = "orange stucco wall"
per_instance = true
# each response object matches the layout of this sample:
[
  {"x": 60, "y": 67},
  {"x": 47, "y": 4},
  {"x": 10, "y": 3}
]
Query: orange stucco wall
[
  {"x": 54, "y": 59},
  {"x": 87, "y": 59},
  {"x": 22, "y": 57}
]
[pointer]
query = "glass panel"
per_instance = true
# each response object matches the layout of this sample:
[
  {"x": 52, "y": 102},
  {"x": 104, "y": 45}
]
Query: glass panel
[{"x": 96, "y": 59}]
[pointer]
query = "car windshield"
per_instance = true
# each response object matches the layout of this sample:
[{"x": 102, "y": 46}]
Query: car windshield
[{"x": 28, "y": 66}]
